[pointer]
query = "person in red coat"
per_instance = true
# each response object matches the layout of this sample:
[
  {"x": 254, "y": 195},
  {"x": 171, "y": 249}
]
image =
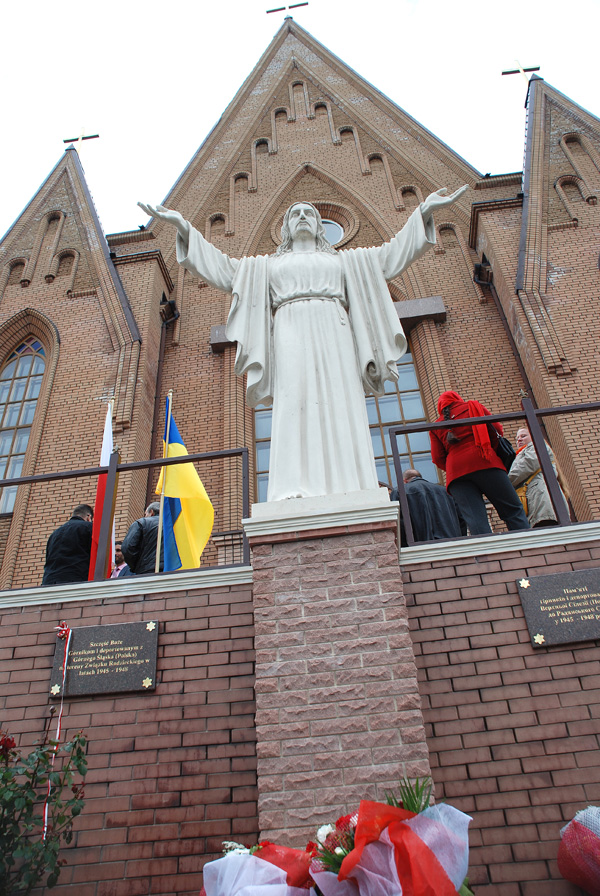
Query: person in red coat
[{"x": 473, "y": 469}]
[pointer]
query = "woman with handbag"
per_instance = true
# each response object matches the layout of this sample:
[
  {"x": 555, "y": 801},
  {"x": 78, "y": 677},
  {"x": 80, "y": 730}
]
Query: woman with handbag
[
  {"x": 526, "y": 476},
  {"x": 473, "y": 469}
]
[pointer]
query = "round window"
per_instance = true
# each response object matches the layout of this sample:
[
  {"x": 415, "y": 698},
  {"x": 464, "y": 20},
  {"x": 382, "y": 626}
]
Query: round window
[{"x": 333, "y": 231}]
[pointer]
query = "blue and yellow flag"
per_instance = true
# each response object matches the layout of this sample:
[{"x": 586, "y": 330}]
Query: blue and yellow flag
[{"x": 188, "y": 515}]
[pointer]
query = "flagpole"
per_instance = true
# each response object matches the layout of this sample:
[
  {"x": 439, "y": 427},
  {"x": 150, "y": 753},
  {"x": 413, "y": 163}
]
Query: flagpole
[
  {"x": 111, "y": 407},
  {"x": 164, "y": 478}
]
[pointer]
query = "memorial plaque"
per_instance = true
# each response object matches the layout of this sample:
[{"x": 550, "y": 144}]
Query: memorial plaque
[
  {"x": 562, "y": 608},
  {"x": 106, "y": 659}
]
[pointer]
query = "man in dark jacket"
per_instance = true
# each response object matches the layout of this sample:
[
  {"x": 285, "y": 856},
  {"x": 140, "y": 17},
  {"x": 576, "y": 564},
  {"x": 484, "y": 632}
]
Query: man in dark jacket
[
  {"x": 68, "y": 549},
  {"x": 121, "y": 569},
  {"x": 139, "y": 545},
  {"x": 433, "y": 513}
]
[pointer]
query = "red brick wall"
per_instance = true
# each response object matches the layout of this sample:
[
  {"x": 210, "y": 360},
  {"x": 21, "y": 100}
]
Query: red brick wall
[
  {"x": 172, "y": 773},
  {"x": 513, "y": 732}
]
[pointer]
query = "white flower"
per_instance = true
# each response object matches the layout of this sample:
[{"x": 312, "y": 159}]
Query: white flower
[
  {"x": 236, "y": 848},
  {"x": 324, "y": 832},
  {"x": 338, "y": 851}
]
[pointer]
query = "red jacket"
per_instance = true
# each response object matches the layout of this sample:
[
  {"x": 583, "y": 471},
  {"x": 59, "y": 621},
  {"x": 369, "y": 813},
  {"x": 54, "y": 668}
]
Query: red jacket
[{"x": 462, "y": 457}]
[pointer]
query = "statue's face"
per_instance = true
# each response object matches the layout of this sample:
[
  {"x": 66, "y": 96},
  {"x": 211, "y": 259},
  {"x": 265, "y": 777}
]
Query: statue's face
[{"x": 302, "y": 220}]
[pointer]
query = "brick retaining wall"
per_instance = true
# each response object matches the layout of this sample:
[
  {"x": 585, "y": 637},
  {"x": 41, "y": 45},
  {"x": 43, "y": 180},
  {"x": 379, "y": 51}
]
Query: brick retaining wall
[
  {"x": 172, "y": 773},
  {"x": 513, "y": 731}
]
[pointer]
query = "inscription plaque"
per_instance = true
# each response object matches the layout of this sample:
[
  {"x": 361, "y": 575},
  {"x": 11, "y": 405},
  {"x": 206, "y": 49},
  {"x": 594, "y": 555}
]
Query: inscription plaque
[
  {"x": 107, "y": 659},
  {"x": 562, "y": 608}
]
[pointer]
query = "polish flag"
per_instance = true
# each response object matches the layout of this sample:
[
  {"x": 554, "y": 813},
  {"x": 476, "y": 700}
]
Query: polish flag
[{"x": 107, "y": 449}]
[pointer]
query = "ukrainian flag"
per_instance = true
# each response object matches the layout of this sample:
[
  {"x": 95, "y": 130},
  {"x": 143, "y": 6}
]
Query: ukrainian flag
[{"x": 188, "y": 515}]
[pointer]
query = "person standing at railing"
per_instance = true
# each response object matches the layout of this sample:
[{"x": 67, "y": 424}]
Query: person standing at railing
[
  {"x": 433, "y": 512},
  {"x": 473, "y": 469},
  {"x": 68, "y": 549},
  {"x": 139, "y": 545},
  {"x": 526, "y": 476}
]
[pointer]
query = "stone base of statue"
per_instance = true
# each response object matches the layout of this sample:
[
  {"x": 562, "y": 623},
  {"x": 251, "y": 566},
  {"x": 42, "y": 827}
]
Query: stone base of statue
[
  {"x": 322, "y": 511},
  {"x": 338, "y": 709}
]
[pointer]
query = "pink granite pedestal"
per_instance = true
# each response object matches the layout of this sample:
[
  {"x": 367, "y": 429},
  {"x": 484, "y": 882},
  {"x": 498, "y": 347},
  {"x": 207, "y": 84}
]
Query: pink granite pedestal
[{"x": 338, "y": 708}]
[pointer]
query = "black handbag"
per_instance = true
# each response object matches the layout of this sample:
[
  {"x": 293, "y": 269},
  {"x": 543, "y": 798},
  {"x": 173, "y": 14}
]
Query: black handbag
[{"x": 502, "y": 447}]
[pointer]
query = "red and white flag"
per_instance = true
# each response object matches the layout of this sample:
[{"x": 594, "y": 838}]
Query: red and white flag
[{"x": 107, "y": 450}]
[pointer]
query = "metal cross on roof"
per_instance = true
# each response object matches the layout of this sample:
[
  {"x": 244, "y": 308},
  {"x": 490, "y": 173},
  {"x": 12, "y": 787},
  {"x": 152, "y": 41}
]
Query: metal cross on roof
[
  {"x": 521, "y": 70},
  {"x": 80, "y": 138},
  {"x": 283, "y": 8}
]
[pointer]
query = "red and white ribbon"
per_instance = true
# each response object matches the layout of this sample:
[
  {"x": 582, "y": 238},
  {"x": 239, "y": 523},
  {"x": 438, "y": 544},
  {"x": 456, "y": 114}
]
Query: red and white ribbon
[{"x": 64, "y": 633}]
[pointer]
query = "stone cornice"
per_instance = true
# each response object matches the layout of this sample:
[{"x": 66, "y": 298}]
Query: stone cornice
[
  {"x": 118, "y": 589},
  {"x": 499, "y": 180},
  {"x": 315, "y": 517},
  {"x": 492, "y": 205},
  {"x": 156, "y": 254},
  {"x": 129, "y": 236},
  {"x": 499, "y": 544}
]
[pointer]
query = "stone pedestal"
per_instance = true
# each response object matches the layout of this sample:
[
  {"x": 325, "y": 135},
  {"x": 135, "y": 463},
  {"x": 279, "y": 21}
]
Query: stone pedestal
[{"x": 338, "y": 709}]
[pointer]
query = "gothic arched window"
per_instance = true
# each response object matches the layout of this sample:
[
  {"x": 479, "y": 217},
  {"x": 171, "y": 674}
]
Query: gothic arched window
[{"x": 20, "y": 383}]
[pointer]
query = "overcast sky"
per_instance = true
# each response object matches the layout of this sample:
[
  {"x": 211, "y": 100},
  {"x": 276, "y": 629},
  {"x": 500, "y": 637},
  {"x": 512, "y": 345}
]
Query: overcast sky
[{"x": 153, "y": 78}]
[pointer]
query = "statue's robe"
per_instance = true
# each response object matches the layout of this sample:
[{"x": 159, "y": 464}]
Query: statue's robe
[{"x": 314, "y": 333}]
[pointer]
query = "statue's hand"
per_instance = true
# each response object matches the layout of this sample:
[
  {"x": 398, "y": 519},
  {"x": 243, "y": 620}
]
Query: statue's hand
[
  {"x": 439, "y": 199},
  {"x": 168, "y": 215}
]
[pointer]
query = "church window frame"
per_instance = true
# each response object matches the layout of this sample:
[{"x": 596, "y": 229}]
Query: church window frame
[{"x": 21, "y": 380}]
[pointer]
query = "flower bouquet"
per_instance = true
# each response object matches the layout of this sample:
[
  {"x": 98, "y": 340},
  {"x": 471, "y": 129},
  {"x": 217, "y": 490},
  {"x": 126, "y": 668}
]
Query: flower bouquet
[
  {"x": 263, "y": 870},
  {"x": 391, "y": 851},
  {"x": 402, "y": 847}
]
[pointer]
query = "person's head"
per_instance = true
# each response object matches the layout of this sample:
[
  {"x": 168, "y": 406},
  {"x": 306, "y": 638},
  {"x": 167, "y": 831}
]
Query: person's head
[
  {"x": 409, "y": 475},
  {"x": 153, "y": 509},
  {"x": 84, "y": 512},
  {"x": 523, "y": 437},
  {"x": 445, "y": 400},
  {"x": 119, "y": 558},
  {"x": 303, "y": 219}
]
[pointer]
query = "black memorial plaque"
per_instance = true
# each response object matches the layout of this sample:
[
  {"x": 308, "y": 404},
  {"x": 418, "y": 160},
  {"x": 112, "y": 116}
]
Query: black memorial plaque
[
  {"x": 562, "y": 608},
  {"x": 105, "y": 659}
]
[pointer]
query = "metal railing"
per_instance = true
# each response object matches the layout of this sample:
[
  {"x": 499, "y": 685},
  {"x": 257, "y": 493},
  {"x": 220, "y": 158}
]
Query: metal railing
[
  {"x": 112, "y": 472},
  {"x": 530, "y": 414}
]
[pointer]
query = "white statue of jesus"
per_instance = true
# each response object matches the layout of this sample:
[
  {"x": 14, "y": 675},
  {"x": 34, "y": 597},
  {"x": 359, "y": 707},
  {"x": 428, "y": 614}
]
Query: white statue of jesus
[{"x": 316, "y": 329}]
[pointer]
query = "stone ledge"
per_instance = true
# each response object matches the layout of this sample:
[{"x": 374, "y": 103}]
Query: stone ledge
[
  {"x": 296, "y": 517},
  {"x": 117, "y": 589},
  {"x": 499, "y": 544}
]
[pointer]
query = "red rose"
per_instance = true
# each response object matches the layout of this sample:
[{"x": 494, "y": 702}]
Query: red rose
[{"x": 6, "y": 745}]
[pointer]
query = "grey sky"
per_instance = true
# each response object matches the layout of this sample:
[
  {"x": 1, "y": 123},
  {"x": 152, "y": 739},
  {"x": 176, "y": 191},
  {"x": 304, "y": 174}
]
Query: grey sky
[{"x": 152, "y": 79}]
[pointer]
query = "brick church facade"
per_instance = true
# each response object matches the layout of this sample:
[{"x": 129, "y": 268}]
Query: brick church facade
[{"x": 327, "y": 668}]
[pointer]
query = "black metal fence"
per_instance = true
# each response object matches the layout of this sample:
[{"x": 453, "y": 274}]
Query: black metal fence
[
  {"x": 228, "y": 546},
  {"x": 530, "y": 415}
]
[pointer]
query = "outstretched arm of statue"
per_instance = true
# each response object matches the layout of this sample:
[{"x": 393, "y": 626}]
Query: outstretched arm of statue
[
  {"x": 416, "y": 237},
  {"x": 438, "y": 200},
  {"x": 200, "y": 257},
  {"x": 169, "y": 216}
]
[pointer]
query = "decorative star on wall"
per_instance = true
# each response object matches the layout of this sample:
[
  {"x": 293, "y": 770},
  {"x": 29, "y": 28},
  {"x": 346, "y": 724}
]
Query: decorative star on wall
[
  {"x": 539, "y": 639},
  {"x": 147, "y": 682},
  {"x": 524, "y": 583},
  {"x": 151, "y": 626},
  {"x": 55, "y": 690}
]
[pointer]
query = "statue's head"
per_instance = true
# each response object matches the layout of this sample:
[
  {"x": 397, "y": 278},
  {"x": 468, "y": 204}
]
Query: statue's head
[{"x": 290, "y": 222}]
